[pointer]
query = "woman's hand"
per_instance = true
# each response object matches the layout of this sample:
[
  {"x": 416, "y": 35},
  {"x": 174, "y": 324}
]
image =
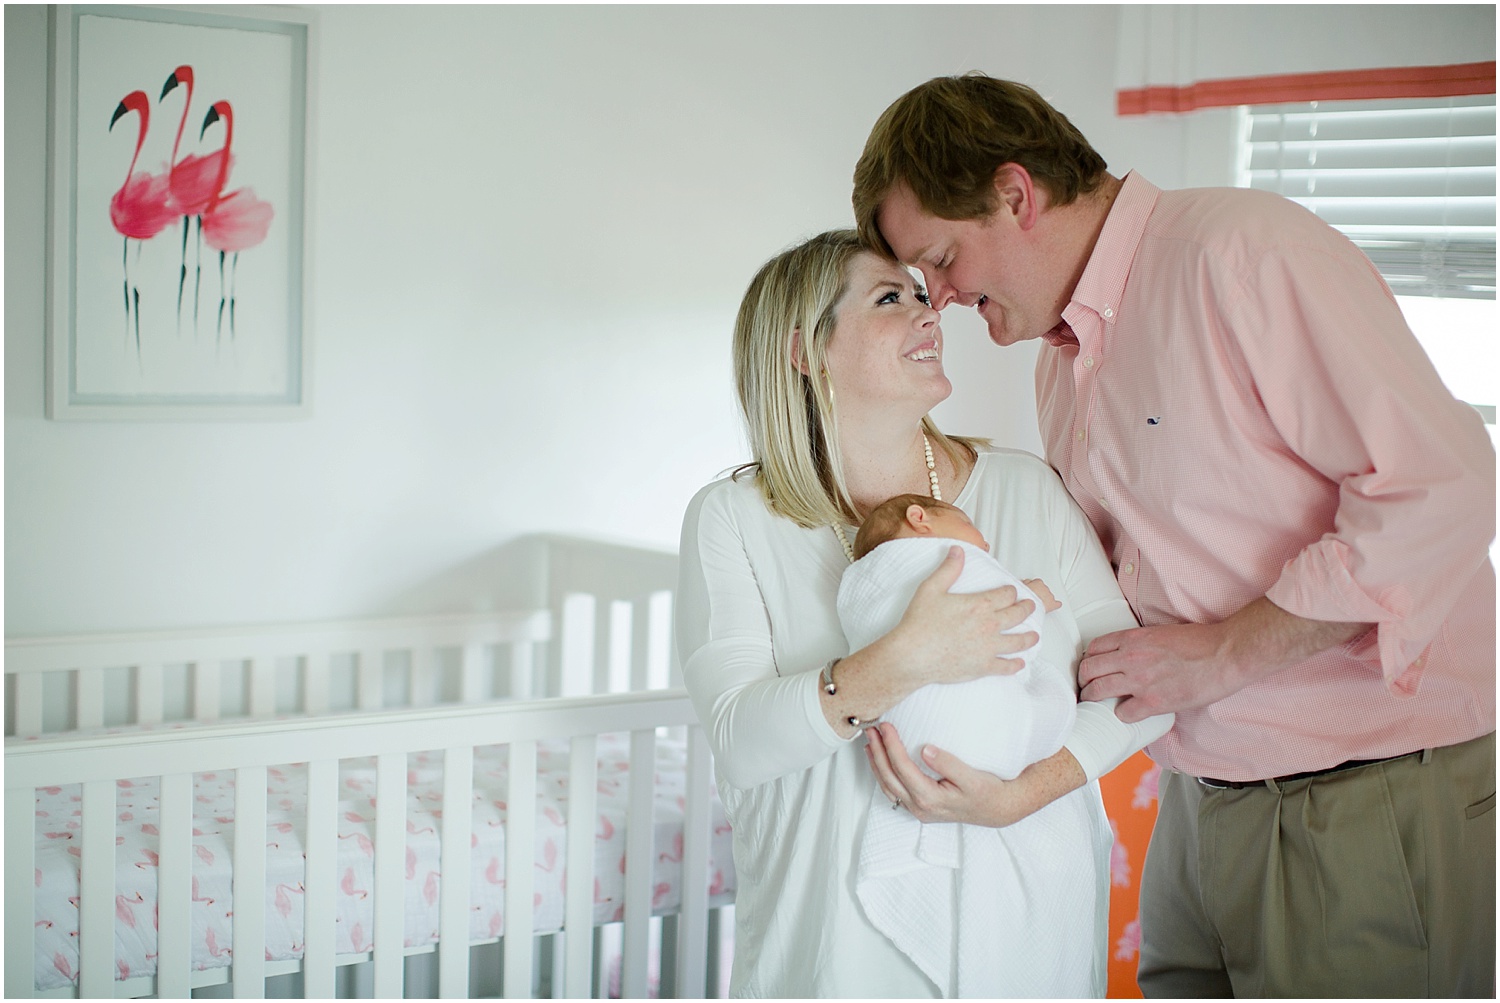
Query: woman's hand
[
  {"x": 951, "y": 638},
  {"x": 961, "y": 793}
]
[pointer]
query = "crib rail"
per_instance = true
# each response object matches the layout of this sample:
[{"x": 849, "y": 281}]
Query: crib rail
[
  {"x": 249, "y": 747},
  {"x": 82, "y": 682},
  {"x": 613, "y": 606}
]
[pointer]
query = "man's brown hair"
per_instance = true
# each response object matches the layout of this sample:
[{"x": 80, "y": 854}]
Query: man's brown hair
[
  {"x": 887, "y": 519},
  {"x": 945, "y": 139}
]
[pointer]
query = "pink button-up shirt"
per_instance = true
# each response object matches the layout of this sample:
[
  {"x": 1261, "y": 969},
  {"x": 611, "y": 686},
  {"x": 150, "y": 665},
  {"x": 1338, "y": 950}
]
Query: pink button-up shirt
[{"x": 1246, "y": 414}]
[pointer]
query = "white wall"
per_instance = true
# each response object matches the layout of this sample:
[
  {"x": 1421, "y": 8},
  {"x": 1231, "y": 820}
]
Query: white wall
[{"x": 532, "y": 227}]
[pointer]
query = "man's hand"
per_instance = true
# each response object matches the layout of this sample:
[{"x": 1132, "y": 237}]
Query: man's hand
[{"x": 1176, "y": 667}]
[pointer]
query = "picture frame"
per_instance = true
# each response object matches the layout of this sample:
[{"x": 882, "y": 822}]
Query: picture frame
[{"x": 179, "y": 201}]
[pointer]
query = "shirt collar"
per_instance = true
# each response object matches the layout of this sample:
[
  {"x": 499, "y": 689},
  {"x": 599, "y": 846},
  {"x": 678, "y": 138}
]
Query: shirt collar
[{"x": 1102, "y": 286}]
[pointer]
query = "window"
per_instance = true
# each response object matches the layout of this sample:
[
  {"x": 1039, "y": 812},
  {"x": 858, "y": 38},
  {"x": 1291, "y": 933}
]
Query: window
[{"x": 1412, "y": 183}]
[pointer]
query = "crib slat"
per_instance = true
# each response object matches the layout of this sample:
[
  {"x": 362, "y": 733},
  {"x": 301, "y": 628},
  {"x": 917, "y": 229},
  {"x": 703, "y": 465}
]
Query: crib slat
[
  {"x": 206, "y": 690},
  {"x": 697, "y": 823},
  {"x": 96, "y": 890},
  {"x": 262, "y": 687},
  {"x": 315, "y": 672},
  {"x": 318, "y": 965},
  {"x": 174, "y": 888},
  {"x": 148, "y": 693},
  {"x": 371, "y": 692},
  {"x": 522, "y": 668},
  {"x": 423, "y": 679},
  {"x": 453, "y": 919},
  {"x": 20, "y": 890},
  {"x": 249, "y": 882},
  {"x": 29, "y": 703},
  {"x": 520, "y": 861},
  {"x": 578, "y": 921},
  {"x": 390, "y": 864},
  {"x": 640, "y": 644},
  {"x": 88, "y": 697},
  {"x": 664, "y": 608},
  {"x": 471, "y": 674},
  {"x": 639, "y": 856},
  {"x": 604, "y": 614}
]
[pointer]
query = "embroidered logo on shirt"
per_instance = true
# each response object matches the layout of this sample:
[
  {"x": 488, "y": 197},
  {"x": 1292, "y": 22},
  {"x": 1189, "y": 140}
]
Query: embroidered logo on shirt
[{"x": 1153, "y": 421}]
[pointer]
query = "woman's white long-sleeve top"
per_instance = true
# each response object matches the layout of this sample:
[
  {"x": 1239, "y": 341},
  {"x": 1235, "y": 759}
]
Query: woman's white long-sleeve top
[{"x": 756, "y": 618}]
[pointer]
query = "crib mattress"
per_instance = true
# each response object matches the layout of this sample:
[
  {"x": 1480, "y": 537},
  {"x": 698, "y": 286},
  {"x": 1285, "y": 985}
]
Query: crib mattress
[{"x": 136, "y": 858}]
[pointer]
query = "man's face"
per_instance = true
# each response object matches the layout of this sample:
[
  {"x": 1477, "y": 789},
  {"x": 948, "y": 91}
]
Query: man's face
[{"x": 990, "y": 264}]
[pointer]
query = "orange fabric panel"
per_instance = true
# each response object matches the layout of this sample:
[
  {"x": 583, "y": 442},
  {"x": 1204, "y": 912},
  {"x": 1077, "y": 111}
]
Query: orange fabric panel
[
  {"x": 1336, "y": 85},
  {"x": 1130, "y": 802}
]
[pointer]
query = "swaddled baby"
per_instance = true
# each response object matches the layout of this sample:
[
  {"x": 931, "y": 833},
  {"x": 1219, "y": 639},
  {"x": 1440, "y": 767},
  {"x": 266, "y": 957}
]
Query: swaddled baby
[
  {"x": 946, "y": 893},
  {"x": 1000, "y": 724}
]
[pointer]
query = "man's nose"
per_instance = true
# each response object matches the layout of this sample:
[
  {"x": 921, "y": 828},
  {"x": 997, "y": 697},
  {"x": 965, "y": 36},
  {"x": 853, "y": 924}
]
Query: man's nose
[{"x": 939, "y": 292}]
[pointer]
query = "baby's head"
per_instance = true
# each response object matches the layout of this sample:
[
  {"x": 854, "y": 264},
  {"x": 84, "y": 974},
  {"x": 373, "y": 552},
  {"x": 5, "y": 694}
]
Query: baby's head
[{"x": 913, "y": 516}]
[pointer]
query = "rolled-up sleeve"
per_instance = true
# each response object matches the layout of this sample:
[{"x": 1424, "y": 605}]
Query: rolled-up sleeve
[
  {"x": 761, "y": 723},
  {"x": 1356, "y": 399}
]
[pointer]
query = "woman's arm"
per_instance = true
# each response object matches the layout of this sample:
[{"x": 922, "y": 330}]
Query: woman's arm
[
  {"x": 964, "y": 794},
  {"x": 942, "y": 637},
  {"x": 763, "y": 723},
  {"x": 1099, "y": 741}
]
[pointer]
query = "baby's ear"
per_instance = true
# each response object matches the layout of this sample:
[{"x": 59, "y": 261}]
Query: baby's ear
[{"x": 916, "y": 518}]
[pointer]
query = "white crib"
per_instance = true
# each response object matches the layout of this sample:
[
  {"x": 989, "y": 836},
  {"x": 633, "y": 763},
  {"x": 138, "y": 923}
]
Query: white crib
[{"x": 404, "y": 709}]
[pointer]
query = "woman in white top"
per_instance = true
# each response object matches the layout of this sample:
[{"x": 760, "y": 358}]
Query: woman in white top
[{"x": 837, "y": 362}]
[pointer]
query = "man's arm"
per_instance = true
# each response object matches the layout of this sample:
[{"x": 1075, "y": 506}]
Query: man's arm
[{"x": 1176, "y": 667}]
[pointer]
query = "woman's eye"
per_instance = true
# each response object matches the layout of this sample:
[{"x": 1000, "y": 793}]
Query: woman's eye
[{"x": 891, "y": 297}]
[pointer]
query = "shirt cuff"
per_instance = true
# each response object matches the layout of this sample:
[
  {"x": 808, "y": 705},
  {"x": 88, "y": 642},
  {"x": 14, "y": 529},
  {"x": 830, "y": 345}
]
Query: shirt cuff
[
  {"x": 1100, "y": 741},
  {"x": 1317, "y": 585}
]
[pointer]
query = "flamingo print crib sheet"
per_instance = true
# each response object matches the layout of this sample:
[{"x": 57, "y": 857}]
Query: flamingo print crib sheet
[{"x": 137, "y": 807}]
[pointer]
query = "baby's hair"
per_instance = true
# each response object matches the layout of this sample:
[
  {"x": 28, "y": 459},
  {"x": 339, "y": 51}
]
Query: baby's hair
[{"x": 887, "y": 519}]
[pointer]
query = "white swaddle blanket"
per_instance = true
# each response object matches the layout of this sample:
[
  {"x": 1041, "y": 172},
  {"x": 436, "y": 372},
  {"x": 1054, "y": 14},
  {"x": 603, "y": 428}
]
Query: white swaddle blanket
[{"x": 1017, "y": 923}]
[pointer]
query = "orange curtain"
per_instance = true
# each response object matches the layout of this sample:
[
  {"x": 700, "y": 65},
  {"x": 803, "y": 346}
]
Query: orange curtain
[
  {"x": 1338, "y": 85},
  {"x": 1130, "y": 802}
]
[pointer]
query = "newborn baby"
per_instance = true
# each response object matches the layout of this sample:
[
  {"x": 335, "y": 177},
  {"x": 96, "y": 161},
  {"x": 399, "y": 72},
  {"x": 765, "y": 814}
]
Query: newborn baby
[{"x": 1000, "y": 724}]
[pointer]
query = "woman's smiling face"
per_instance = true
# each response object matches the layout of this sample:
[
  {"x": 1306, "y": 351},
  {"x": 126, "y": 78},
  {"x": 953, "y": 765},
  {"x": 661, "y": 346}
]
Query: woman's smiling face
[{"x": 886, "y": 348}]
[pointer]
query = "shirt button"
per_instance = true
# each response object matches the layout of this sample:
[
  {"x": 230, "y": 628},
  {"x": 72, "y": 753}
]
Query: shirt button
[
  {"x": 1109, "y": 311},
  {"x": 1088, "y": 363},
  {"x": 1103, "y": 503},
  {"x": 1127, "y": 569},
  {"x": 1080, "y": 435}
]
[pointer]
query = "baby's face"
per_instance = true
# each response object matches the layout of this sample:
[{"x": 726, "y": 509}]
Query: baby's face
[{"x": 954, "y": 525}]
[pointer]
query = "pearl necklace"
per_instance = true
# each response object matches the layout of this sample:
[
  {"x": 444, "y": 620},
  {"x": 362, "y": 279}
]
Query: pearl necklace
[{"x": 932, "y": 478}]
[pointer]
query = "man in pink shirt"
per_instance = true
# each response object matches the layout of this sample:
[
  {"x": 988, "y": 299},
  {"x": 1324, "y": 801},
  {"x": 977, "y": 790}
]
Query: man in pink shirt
[{"x": 1299, "y": 513}]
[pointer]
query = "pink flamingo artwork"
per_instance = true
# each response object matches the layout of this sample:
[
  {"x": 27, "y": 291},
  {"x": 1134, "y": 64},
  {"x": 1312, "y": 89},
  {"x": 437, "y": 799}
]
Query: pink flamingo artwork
[
  {"x": 192, "y": 183},
  {"x": 139, "y": 210},
  {"x": 232, "y": 221}
]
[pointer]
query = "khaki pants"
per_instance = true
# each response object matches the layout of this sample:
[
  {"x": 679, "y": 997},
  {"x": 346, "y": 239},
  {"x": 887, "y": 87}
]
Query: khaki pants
[{"x": 1376, "y": 881}]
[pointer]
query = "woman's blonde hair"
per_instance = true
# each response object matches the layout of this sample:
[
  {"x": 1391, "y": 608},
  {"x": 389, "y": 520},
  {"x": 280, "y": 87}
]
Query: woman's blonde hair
[{"x": 790, "y": 417}]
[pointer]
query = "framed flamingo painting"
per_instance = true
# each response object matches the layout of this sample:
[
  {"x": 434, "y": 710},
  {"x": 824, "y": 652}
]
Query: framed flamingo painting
[{"x": 178, "y": 212}]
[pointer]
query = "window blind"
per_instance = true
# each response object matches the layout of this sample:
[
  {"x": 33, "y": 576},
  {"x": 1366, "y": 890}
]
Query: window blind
[{"x": 1411, "y": 182}]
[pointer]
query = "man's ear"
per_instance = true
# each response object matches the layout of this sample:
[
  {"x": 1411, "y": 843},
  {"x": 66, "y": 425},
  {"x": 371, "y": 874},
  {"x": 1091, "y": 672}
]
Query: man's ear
[
  {"x": 916, "y": 518},
  {"x": 1016, "y": 193},
  {"x": 799, "y": 357}
]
